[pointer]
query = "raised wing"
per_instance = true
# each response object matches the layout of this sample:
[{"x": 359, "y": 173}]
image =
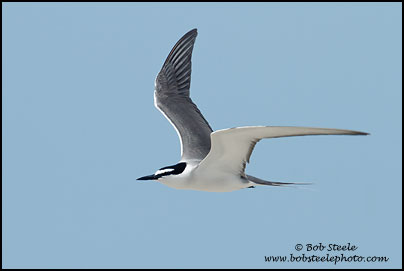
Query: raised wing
[
  {"x": 232, "y": 148},
  {"x": 171, "y": 97}
]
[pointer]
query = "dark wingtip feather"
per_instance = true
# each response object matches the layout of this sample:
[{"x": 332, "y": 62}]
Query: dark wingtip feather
[
  {"x": 360, "y": 133},
  {"x": 176, "y": 71},
  {"x": 193, "y": 30},
  {"x": 192, "y": 33}
]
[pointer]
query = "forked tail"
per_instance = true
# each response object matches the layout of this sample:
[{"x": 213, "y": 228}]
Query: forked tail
[{"x": 263, "y": 182}]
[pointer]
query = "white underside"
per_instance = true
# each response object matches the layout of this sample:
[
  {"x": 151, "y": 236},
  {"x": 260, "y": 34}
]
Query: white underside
[{"x": 212, "y": 181}]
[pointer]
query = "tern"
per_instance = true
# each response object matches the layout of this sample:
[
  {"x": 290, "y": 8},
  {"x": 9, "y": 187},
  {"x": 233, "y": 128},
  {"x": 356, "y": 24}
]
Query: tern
[{"x": 210, "y": 161}]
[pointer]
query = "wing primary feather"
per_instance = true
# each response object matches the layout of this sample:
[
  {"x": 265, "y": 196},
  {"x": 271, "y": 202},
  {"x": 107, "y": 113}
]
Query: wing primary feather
[
  {"x": 232, "y": 148},
  {"x": 188, "y": 36},
  {"x": 172, "y": 99}
]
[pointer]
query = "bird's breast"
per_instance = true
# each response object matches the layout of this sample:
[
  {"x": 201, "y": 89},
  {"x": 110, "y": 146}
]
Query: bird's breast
[{"x": 205, "y": 181}]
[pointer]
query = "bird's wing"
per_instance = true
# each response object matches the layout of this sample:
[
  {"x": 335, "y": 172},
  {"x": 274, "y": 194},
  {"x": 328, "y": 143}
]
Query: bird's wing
[
  {"x": 171, "y": 97},
  {"x": 231, "y": 148}
]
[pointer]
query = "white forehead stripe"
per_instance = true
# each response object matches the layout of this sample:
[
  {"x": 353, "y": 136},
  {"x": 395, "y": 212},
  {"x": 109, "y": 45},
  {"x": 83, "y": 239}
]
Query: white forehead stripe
[{"x": 161, "y": 171}]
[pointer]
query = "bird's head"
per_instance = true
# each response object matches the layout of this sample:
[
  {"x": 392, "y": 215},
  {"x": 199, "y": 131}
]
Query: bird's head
[{"x": 165, "y": 171}]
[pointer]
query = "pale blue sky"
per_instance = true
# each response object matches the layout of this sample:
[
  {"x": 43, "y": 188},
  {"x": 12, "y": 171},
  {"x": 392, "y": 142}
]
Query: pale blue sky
[{"x": 79, "y": 126}]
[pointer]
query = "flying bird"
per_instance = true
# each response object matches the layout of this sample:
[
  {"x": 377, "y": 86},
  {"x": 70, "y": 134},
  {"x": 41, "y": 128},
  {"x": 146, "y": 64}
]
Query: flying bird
[{"x": 210, "y": 161}]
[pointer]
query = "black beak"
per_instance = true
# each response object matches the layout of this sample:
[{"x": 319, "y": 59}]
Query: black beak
[{"x": 148, "y": 177}]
